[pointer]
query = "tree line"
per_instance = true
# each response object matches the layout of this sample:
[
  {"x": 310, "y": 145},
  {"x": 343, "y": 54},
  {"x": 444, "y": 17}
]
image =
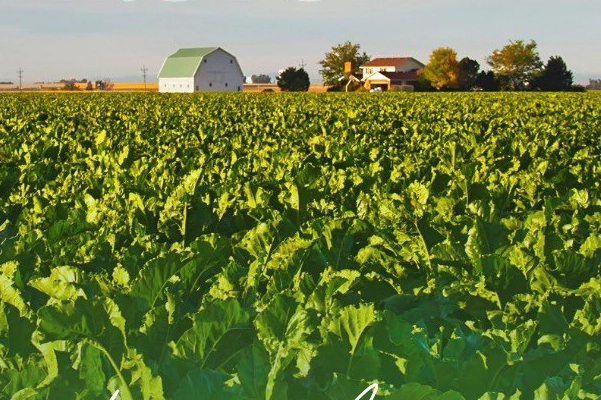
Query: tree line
[{"x": 516, "y": 66}]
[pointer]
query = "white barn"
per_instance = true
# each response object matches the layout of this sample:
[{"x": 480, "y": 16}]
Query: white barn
[{"x": 203, "y": 69}]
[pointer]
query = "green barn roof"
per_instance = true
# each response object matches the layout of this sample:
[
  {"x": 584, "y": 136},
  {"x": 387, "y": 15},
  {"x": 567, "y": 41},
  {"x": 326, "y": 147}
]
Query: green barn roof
[{"x": 184, "y": 62}]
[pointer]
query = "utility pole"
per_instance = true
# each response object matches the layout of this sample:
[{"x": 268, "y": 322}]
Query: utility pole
[
  {"x": 302, "y": 64},
  {"x": 20, "y": 72},
  {"x": 144, "y": 70}
]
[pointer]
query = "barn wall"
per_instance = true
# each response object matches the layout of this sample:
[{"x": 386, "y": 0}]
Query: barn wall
[
  {"x": 220, "y": 73},
  {"x": 176, "y": 85}
]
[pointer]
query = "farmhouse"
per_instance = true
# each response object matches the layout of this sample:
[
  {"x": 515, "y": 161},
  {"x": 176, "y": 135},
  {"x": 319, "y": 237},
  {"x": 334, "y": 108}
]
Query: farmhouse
[
  {"x": 203, "y": 69},
  {"x": 389, "y": 72}
]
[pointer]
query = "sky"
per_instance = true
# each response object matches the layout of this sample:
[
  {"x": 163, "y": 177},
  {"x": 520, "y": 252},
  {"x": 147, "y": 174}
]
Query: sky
[{"x": 97, "y": 39}]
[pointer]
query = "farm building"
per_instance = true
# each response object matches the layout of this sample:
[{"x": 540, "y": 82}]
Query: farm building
[
  {"x": 204, "y": 69},
  {"x": 386, "y": 73}
]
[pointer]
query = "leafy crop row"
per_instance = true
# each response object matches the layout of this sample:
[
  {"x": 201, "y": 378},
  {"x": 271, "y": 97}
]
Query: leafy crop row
[{"x": 300, "y": 246}]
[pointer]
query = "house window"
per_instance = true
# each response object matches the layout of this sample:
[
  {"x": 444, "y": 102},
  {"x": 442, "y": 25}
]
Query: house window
[
  {"x": 210, "y": 84},
  {"x": 226, "y": 84},
  {"x": 238, "y": 88},
  {"x": 196, "y": 87}
]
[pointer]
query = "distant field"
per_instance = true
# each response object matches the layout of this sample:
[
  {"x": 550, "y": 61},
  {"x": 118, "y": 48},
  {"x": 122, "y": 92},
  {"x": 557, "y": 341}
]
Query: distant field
[
  {"x": 261, "y": 87},
  {"x": 127, "y": 86},
  {"x": 80, "y": 86},
  {"x": 150, "y": 87}
]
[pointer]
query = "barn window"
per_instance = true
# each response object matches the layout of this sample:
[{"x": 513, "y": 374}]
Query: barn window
[
  {"x": 211, "y": 84},
  {"x": 205, "y": 60},
  {"x": 238, "y": 88},
  {"x": 197, "y": 87},
  {"x": 231, "y": 61},
  {"x": 225, "y": 84}
]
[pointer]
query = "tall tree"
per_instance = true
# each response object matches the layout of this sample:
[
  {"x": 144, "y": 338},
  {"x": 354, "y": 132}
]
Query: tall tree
[
  {"x": 333, "y": 63},
  {"x": 555, "y": 76},
  {"x": 423, "y": 84},
  {"x": 468, "y": 73},
  {"x": 293, "y": 80},
  {"x": 488, "y": 81},
  {"x": 516, "y": 64},
  {"x": 443, "y": 69}
]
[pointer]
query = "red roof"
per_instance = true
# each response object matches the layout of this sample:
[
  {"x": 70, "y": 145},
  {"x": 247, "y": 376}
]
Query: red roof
[{"x": 386, "y": 61}]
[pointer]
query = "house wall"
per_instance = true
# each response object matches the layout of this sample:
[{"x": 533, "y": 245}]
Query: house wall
[
  {"x": 405, "y": 66},
  {"x": 219, "y": 72},
  {"x": 176, "y": 85},
  {"x": 376, "y": 82},
  {"x": 375, "y": 79},
  {"x": 371, "y": 70}
]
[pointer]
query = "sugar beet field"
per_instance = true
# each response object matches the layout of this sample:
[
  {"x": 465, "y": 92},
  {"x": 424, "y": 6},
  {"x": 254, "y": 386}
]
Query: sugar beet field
[{"x": 300, "y": 246}]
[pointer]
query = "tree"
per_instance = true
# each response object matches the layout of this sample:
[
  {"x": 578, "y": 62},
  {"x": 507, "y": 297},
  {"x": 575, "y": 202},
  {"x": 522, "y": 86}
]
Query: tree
[
  {"x": 262, "y": 78},
  {"x": 293, "y": 80},
  {"x": 69, "y": 84},
  {"x": 515, "y": 64},
  {"x": 468, "y": 73},
  {"x": 555, "y": 76},
  {"x": 423, "y": 84},
  {"x": 488, "y": 81},
  {"x": 333, "y": 64},
  {"x": 443, "y": 68}
]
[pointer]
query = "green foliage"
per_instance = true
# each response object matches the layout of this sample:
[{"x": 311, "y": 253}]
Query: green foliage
[
  {"x": 333, "y": 63},
  {"x": 555, "y": 76},
  {"x": 423, "y": 84},
  {"x": 293, "y": 80},
  {"x": 516, "y": 64},
  {"x": 468, "y": 73},
  {"x": 487, "y": 81},
  {"x": 300, "y": 246},
  {"x": 443, "y": 69}
]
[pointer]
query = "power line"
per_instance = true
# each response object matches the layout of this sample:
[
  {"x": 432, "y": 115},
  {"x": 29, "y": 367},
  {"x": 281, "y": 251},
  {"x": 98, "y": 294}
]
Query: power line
[
  {"x": 144, "y": 70},
  {"x": 20, "y": 72}
]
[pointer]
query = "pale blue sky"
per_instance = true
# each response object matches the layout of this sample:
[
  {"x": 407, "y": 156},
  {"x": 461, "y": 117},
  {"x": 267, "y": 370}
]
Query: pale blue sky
[{"x": 54, "y": 39}]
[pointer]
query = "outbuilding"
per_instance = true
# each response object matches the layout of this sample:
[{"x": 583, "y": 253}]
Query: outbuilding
[{"x": 202, "y": 69}]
